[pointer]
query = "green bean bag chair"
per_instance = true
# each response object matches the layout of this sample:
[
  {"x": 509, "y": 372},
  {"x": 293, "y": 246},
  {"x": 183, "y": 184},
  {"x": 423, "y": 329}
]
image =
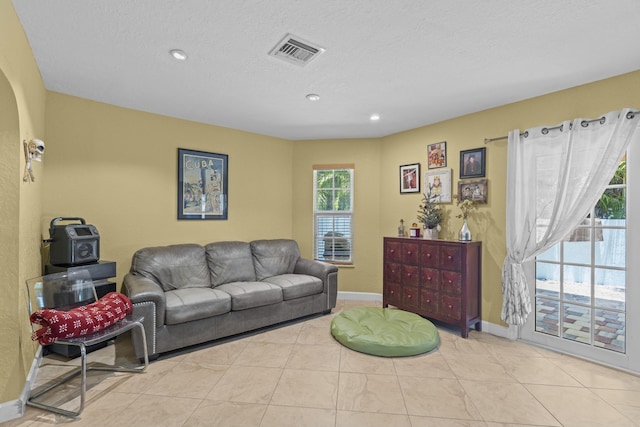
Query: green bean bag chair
[{"x": 384, "y": 332}]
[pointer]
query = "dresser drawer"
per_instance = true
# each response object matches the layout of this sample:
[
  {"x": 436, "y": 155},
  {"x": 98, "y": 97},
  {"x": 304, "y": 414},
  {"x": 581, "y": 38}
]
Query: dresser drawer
[
  {"x": 451, "y": 282},
  {"x": 429, "y": 302},
  {"x": 430, "y": 278},
  {"x": 410, "y": 253},
  {"x": 430, "y": 255},
  {"x": 451, "y": 257},
  {"x": 410, "y": 275},
  {"x": 392, "y": 272},
  {"x": 450, "y": 307},
  {"x": 392, "y": 294},
  {"x": 393, "y": 251},
  {"x": 410, "y": 297}
]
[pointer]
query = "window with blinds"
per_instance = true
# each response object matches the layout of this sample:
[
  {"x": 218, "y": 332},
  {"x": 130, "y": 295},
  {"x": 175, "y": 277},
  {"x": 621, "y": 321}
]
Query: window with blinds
[{"x": 333, "y": 213}]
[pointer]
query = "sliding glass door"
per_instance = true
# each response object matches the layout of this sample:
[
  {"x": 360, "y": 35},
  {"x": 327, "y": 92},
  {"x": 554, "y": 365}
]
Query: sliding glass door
[{"x": 585, "y": 288}]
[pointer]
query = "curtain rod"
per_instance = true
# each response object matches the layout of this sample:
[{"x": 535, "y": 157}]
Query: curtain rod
[{"x": 584, "y": 123}]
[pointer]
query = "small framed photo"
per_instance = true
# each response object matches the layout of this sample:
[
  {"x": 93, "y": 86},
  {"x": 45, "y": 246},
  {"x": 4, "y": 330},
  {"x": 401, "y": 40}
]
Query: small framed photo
[
  {"x": 437, "y": 155},
  {"x": 473, "y": 189},
  {"x": 202, "y": 185},
  {"x": 410, "y": 178},
  {"x": 472, "y": 163},
  {"x": 439, "y": 183}
]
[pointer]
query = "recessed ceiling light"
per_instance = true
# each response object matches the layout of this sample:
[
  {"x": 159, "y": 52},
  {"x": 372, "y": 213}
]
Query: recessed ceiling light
[
  {"x": 178, "y": 55},
  {"x": 374, "y": 117},
  {"x": 313, "y": 97}
]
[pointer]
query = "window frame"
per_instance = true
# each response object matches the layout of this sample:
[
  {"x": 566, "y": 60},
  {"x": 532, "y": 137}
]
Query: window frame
[{"x": 333, "y": 214}]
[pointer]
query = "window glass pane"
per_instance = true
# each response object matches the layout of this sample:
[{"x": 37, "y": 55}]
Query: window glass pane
[
  {"x": 547, "y": 279},
  {"x": 611, "y": 251},
  {"x": 551, "y": 254},
  {"x": 609, "y": 330},
  {"x": 612, "y": 204},
  {"x": 343, "y": 200},
  {"x": 342, "y": 179},
  {"x": 324, "y": 179},
  {"x": 610, "y": 288},
  {"x": 578, "y": 252},
  {"x": 576, "y": 284},
  {"x": 576, "y": 323},
  {"x": 324, "y": 200},
  {"x": 547, "y": 316}
]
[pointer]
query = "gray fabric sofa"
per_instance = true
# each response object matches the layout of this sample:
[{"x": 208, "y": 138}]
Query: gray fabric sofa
[{"x": 189, "y": 294}]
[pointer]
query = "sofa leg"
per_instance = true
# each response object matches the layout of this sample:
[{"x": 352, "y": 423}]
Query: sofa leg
[{"x": 326, "y": 312}]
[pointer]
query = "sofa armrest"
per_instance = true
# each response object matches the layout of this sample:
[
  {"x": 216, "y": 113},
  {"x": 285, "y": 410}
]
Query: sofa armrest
[
  {"x": 324, "y": 271},
  {"x": 140, "y": 289}
]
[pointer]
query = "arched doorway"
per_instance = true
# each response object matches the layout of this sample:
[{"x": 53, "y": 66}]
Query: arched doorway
[{"x": 11, "y": 366}]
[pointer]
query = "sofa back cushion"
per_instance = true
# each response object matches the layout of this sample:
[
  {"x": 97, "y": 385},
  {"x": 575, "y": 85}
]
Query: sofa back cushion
[
  {"x": 274, "y": 257},
  {"x": 174, "y": 266},
  {"x": 230, "y": 262}
]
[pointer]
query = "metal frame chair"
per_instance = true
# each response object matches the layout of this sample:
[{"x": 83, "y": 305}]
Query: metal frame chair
[{"x": 64, "y": 291}]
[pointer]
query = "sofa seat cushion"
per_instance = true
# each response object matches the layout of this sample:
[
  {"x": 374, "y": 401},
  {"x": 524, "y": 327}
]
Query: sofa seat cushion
[
  {"x": 297, "y": 285},
  {"x": 185, "y": 305},
  {"x": 245, "y": 295},
  {"x": 230, "y": 262}
]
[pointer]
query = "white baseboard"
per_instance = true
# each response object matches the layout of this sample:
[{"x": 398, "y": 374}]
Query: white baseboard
[
  {"x": 11, "y": 410},
  {"x": 360, "y": 296},
  {"x": 510, "y": 332}
]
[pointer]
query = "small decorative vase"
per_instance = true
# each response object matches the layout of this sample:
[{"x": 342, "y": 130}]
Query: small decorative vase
[
  {"x": 430, "y": 233},
  {"x": 465, "y": 233}
]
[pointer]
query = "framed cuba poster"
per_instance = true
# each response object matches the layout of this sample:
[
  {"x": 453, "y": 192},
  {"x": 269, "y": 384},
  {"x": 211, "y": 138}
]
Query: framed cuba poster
[{"x": 202, "y": 185}]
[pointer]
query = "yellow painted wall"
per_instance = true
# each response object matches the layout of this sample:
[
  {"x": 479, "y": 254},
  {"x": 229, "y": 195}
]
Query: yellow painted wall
[
  {"x": 22, "y": 104},
  {"x": 117, "y": 169}
]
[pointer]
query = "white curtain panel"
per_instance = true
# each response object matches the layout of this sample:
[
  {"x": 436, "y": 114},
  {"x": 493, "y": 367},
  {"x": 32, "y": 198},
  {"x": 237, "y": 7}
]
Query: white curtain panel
[{"x": 555, "y": 175}]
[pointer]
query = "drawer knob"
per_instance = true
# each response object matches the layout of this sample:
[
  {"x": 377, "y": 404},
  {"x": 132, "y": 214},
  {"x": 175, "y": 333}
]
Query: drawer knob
[
  {"x": 408, "y": 274},
  {"x": 450, "y": 282},
  {"x": 429, "y": 278},
  {"x": 449, "y": 257},
  {"x": 392, "y": 292},
  {"x": 450, "y": 306},
  {"x": 428, "y": 255},
  {"x": 408, "y": 252},
  {"x": 409, "y": 296},
  {"x": 428, "y": 301},
  {"x": 392, "y": 251}
]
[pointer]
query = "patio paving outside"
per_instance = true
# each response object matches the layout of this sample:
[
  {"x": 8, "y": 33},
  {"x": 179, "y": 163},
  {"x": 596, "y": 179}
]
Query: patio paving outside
[{"x": 609, "y": 317}]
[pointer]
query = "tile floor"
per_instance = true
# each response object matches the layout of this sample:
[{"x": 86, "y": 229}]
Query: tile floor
[{"x": 297, "y": 375}]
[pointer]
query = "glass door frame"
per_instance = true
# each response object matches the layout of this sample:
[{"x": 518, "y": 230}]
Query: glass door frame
[{"x": 630, "y": 360}]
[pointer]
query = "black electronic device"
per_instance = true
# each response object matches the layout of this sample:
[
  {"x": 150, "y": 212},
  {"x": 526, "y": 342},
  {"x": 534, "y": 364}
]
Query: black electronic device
[{"x": 73, "y": 244}]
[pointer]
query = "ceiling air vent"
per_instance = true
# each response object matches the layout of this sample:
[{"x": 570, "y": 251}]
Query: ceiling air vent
[{"x": 295, "y": 50}]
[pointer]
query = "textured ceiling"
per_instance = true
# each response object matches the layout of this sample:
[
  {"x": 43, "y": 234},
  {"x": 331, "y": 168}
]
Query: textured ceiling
[{"x": 414, "y": 62}]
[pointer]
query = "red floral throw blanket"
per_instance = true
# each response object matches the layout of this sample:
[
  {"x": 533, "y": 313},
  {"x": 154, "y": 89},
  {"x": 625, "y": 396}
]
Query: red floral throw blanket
[{"x": 58, "y": 324}]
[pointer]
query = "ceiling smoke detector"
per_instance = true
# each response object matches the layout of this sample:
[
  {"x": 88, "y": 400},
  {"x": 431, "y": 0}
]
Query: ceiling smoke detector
[{"x": 295, "y": 50}]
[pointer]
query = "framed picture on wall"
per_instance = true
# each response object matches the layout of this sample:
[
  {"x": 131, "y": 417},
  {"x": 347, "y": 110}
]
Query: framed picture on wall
[
  {"x": 410, "y": 178},
  {"x": 439, "y": 182},
  {"x": 473, "y": 189},
  {"x": 437, "y": 155},
  {"x": 202, "y": 185},
  {"x": 472, "y": 163}
]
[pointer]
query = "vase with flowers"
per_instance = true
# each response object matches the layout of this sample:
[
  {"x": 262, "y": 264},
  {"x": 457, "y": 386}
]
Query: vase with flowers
[
  {"x": 466, "y": 206},
  {"x": 430, "y": 214}
]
